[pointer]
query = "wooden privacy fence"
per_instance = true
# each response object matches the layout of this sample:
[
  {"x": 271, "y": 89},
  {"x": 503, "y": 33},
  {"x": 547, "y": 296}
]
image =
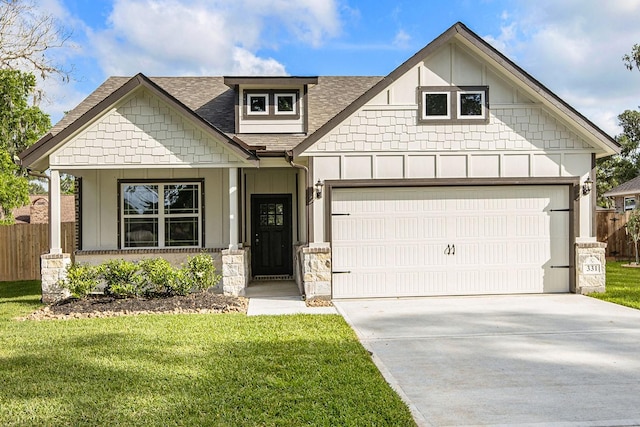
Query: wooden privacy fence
[
  {"x": 21, "y": 246},
  {"x": 611, "y": 230}
]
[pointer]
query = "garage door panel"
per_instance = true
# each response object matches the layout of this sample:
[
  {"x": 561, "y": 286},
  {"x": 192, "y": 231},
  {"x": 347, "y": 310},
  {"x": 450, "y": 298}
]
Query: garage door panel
[{"x": 393, "y": 241}]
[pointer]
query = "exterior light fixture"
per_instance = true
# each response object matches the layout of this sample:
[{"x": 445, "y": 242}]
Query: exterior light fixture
[
  {"x": 318, "y": 188},
  {"x": 586, "y": 187}
]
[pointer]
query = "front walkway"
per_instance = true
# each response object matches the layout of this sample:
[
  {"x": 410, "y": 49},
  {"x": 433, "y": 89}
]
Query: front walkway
[
  {"x": 279, "y": 297},
  {"x": 539, "y": 360}
]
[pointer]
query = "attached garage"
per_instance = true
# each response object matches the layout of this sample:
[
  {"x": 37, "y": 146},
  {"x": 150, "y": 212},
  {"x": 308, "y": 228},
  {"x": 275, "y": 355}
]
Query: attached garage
[{"x": 448, "y": 240}]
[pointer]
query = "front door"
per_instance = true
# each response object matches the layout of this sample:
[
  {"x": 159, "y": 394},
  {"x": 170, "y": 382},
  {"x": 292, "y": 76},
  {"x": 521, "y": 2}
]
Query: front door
[{"x": 271, "y": 244}]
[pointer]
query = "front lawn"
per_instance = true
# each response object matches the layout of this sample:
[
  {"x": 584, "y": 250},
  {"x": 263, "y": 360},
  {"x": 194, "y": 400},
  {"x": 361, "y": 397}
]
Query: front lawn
[
  {"x": 623, "y": 285},
  {"x": 186, "y": 370}
]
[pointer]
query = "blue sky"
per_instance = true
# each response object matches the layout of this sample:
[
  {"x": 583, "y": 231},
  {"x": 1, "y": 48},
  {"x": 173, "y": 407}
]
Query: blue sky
[{"x": 574, "y": 47}]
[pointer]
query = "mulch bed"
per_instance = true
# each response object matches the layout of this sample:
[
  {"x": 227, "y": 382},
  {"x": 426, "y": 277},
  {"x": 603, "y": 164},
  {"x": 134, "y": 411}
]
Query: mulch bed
[{"x": 108, "y": 306}]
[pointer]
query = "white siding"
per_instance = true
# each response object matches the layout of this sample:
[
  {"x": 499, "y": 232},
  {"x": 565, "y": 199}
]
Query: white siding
[
  {"x": 100, "y": 203},
  {"x": 384, "y": 139},
  {"x": 143, "y": 131}
]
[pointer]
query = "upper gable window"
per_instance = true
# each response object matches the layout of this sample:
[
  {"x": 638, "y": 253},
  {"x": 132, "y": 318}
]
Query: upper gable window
[
  {"x": 453, "y": 104},
  {"x": 471, "y": 105},
  {"x": 437, "y": 105},
  {"x": 271, "y": 105}
]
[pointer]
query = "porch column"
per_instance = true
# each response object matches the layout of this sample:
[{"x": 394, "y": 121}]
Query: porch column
[
  {"x": 53, "y": 265},
  {"x": 55, "y": 240},
  {"x": 233, "y": 209}
]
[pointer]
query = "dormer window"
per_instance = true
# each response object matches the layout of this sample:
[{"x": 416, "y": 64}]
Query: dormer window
[
  {"x": 258, "y": 103},
  {"x": 271, "y": 104},
  {"x": 285, "y": 103}
]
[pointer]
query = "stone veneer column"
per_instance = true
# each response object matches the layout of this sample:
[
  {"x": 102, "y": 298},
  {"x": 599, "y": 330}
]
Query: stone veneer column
[
  {"x": 53, "y": 268},
  {"x": 235, "y": 271},
  {"x": 316, "y": 272},
  {"x": 590, "y": 267}
]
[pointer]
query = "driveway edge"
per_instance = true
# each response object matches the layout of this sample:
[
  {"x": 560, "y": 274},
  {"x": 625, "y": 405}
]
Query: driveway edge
[{"x": 420, "y": 420}]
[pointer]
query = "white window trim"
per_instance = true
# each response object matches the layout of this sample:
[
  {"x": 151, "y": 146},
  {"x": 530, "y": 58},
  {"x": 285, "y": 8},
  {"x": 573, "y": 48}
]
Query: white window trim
[
  {"x": 161, "y": 215},
  {"x": 482, "y": 104},
  {"x": 294, "y": 104},
  {"x": 624, "y": 203},
  {"x": 424, "y": 105},
  {"x": 266, "y": 103}
]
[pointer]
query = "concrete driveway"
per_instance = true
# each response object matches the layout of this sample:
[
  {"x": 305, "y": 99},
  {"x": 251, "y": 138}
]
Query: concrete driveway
[{"x": 542, "y": 360}]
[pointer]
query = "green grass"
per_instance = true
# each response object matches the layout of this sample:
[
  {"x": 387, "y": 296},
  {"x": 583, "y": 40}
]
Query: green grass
[
  {"x": 623, "y": 285},
  {"x": 222, "y": 370}
]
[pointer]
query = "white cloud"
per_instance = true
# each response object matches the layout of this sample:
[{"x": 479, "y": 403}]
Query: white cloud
[
  {"x": 402, "y": 39},
  {"x": 178, "y": 37},
  {"x": 575, "y": 47}
]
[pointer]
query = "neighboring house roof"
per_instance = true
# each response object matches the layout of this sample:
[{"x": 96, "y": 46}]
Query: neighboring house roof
[
  {"x": 22, "y": 214},
  {"x": 628, "y": 188}
]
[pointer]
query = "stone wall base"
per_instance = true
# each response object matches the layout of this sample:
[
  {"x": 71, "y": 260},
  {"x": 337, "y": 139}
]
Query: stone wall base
[
  {"x": 235, "y": 271},
  {"x": 53, "y": 268},
  {"x": 590, "y": 267},
  {"x": 316, "y": 272}
]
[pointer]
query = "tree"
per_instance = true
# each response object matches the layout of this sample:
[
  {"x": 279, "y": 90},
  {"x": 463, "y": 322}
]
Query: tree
[
  {"x": 613, "y": 171},
  {"x": 13, "y": 188},
  {"x": 26, "y": 38},
  {"x": 632, "y": 59},
  {"x": 20, "y": 126}
]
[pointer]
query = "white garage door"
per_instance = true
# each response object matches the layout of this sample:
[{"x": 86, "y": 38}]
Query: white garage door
[{"x": 390, "y": 242}]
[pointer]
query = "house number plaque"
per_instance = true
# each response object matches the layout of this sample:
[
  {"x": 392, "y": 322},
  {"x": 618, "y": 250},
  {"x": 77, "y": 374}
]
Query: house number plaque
[{"x": 592, "y": 266}]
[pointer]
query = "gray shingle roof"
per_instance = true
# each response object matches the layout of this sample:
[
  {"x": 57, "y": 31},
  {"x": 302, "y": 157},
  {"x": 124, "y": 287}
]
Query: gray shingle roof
[
  {"x": 212, "y": 100},
  {"x": 625, "y": 189}
]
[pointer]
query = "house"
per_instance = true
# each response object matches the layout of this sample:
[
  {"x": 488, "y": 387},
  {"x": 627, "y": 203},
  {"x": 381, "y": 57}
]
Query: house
[
  {"x": 456, "y": 174},
  {"x": 625, "y": 195},
  {"x": 37, "y": 211}
]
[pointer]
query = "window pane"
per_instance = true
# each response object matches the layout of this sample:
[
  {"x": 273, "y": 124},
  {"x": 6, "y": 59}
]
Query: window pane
[
  {"x": 181, "y": 199},
  {"x": 285, "y": 103},
  {"x": 140, "y": 199},
  {"x": 181, "y": 231},
  {"x": 140, "y": 232},
  {"x": 258, "y": 104},
  {"x": 470, "y": 104},
  {"x": 436, "y": 104}
]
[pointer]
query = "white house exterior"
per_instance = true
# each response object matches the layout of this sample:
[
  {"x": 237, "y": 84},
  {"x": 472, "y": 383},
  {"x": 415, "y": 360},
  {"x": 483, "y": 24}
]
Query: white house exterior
[{"x": 456, "y": 174}]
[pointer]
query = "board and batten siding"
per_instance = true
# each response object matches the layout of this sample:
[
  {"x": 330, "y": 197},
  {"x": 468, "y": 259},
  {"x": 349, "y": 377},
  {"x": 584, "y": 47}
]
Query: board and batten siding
[
  {"x": 384, "y": 140},
  {"x": 142, "y": 131},
  {"x": 100, "y": 203}
]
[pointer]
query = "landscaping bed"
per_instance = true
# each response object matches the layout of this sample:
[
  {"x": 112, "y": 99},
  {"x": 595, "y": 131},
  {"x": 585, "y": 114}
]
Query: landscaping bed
[{"x": 109, "y": 306}]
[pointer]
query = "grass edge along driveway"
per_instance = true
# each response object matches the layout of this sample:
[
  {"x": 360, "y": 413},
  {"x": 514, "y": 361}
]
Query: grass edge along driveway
[
  {"x": 623, "y": 285},
  {"x": 186, "y": 370}
]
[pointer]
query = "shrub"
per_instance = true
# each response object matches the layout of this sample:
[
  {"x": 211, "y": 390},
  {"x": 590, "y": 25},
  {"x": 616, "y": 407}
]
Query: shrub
[
  {"x": 202, "y": 271},
  {"x": 81, "y": 279},
  {"x": 122, "y": 278},
  {"x": 158, "y": 274}
]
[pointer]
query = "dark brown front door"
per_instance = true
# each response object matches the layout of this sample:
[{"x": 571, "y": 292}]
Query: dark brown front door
[{"x": 271, "y": 229}]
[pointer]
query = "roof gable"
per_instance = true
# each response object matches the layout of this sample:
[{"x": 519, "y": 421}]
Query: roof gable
[
  {"x": 96, "y": 107},
  {"x": 143, "y": 131},
  {"x": 460, "y": 32}
]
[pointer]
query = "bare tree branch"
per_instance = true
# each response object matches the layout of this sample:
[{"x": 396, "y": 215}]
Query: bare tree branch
[{"x": 26, "y": 38}]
